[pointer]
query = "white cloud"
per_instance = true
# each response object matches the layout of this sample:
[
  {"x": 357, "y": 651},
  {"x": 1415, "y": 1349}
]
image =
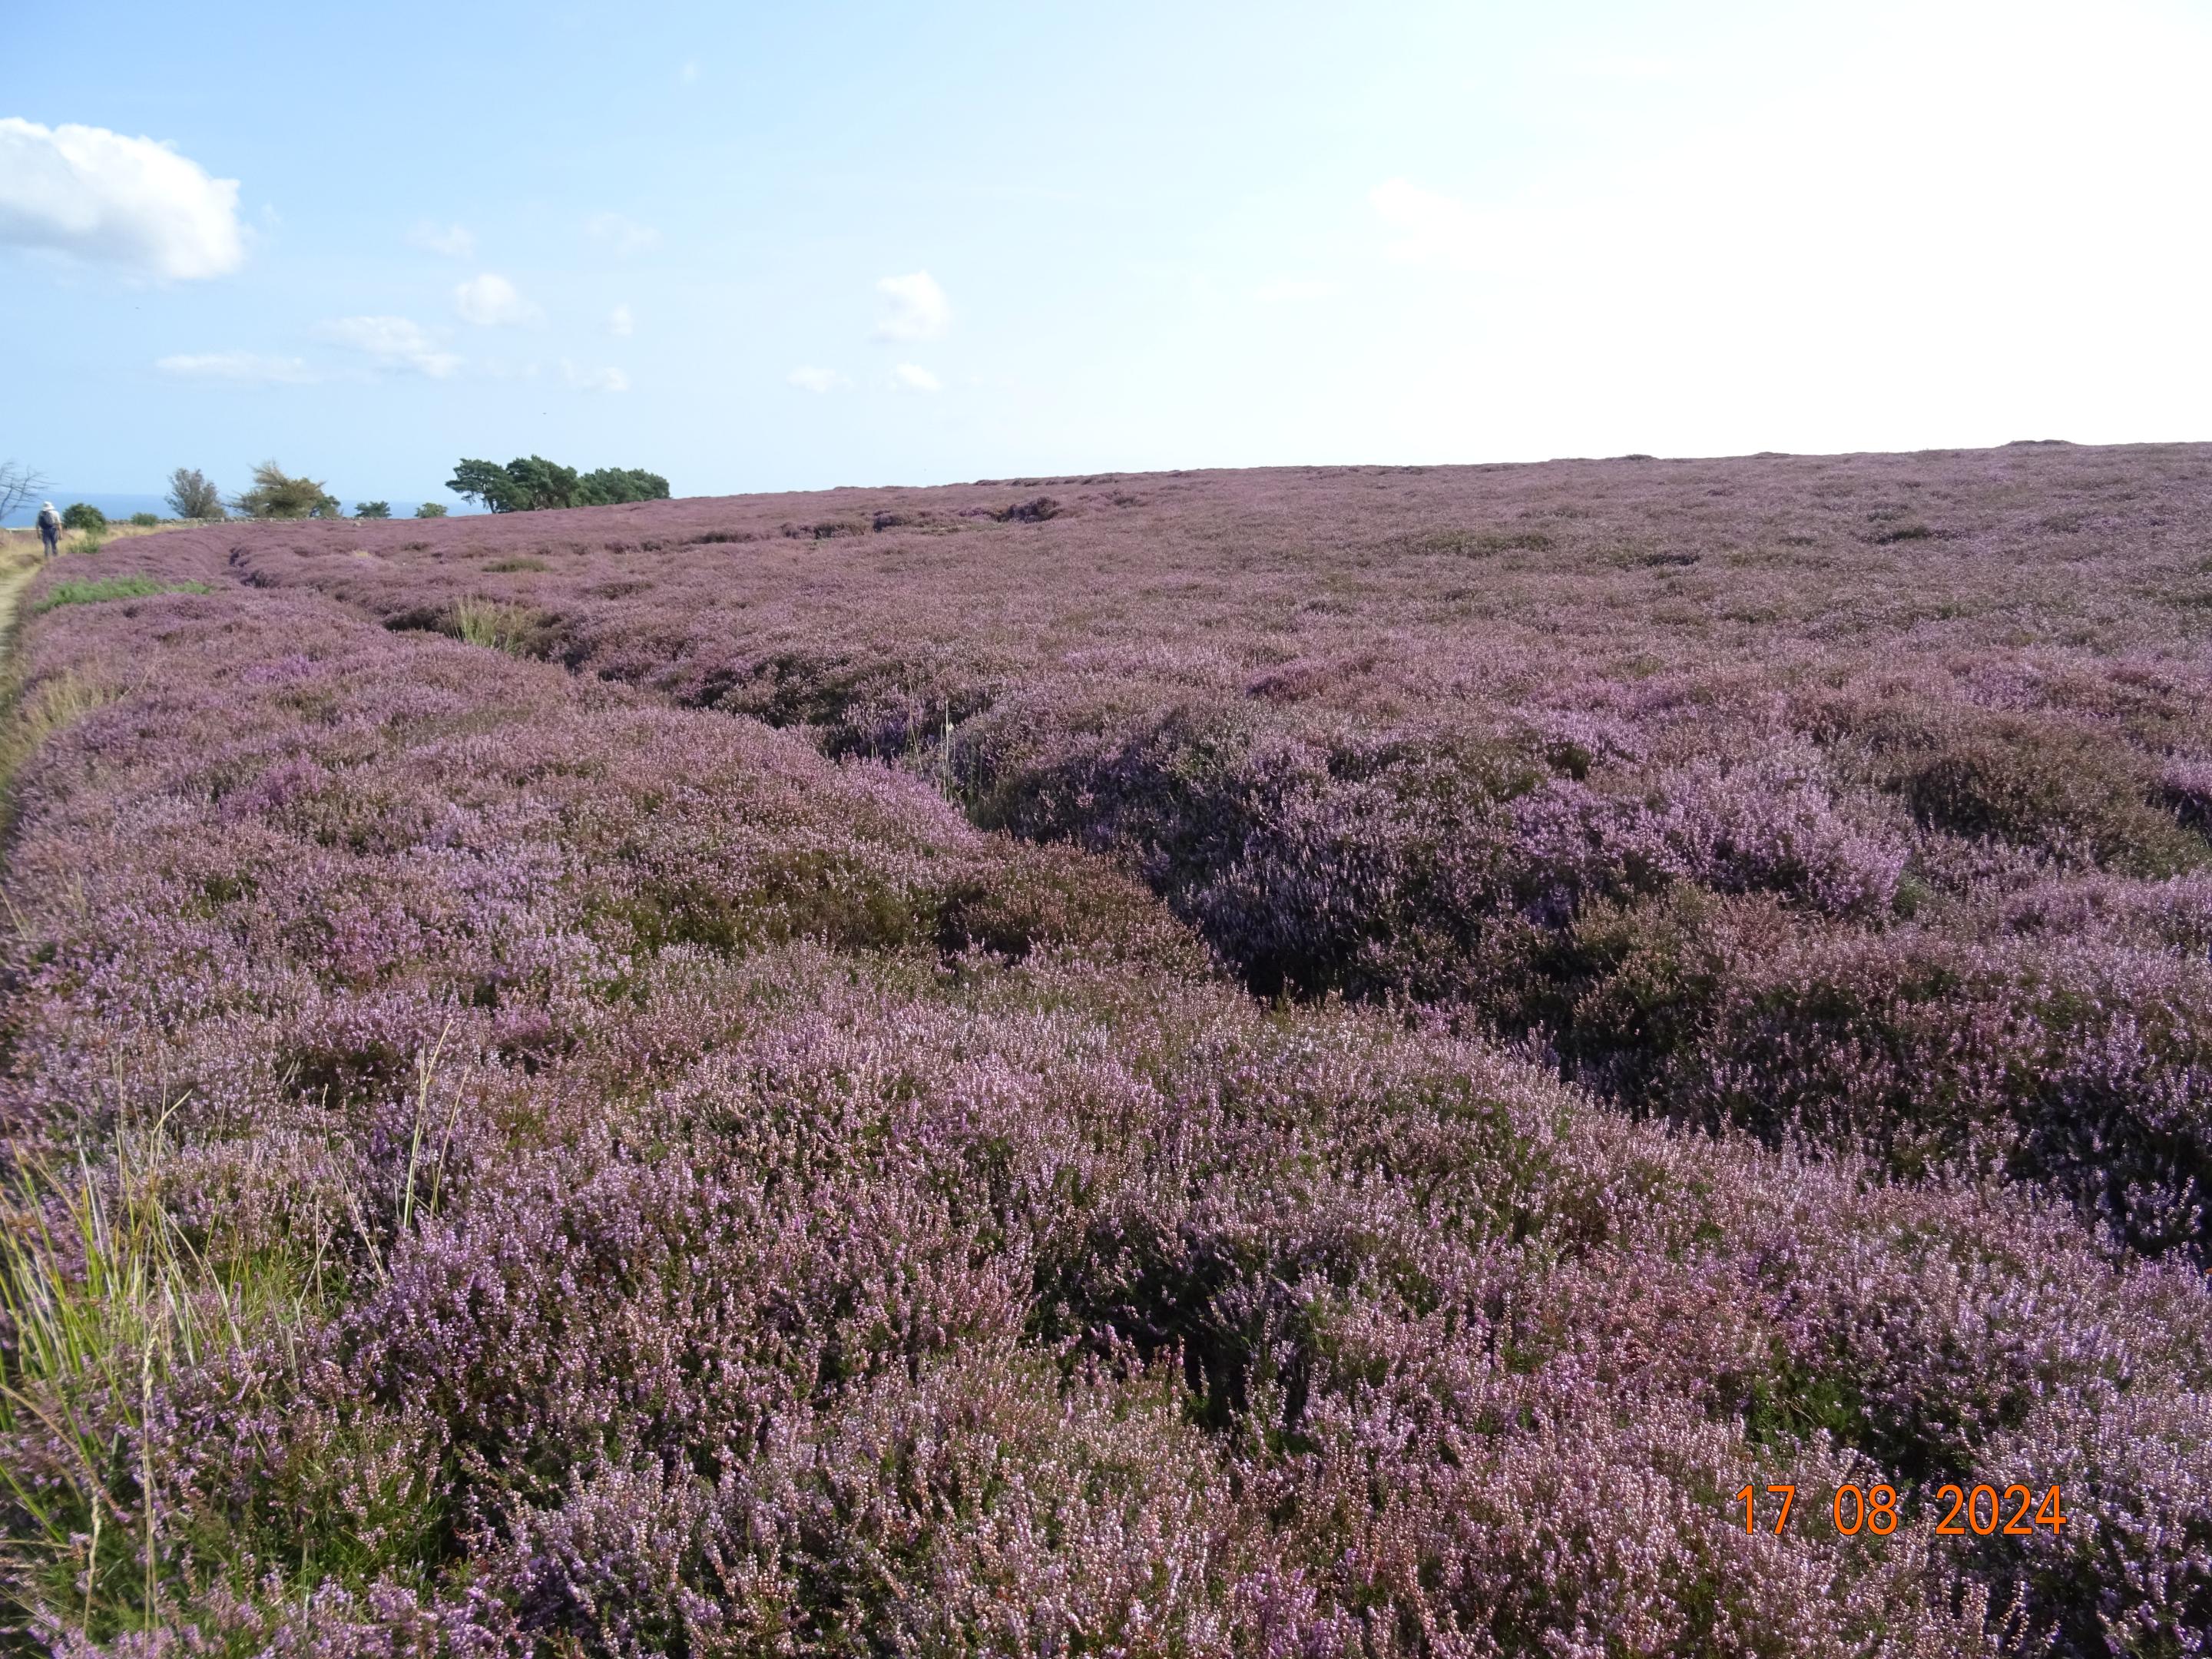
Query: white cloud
[
  {"x": 624, "y": 235},
  {"x": 1292, "y": 290},
  {"x": 490, "y": 301},
  {"x": 393, "y": 343},
  {"x": 130, "y": 202},
  {"x": 594, "y": 379},
  {"x": 688, "y": 75},
  {"x": 914, "y": 308},
  {"x": 454, "y": 241},
  {"x": 912, "y": 377},
  {"x": 622, "y": 321},
  {"x": 238, "y": 368},
  {"x": 807, "y": 378}
]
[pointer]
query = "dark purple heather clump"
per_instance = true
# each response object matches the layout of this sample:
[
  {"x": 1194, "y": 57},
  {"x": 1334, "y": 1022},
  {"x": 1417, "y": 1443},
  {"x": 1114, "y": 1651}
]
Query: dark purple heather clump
[{"x": 509, "y": 1159}]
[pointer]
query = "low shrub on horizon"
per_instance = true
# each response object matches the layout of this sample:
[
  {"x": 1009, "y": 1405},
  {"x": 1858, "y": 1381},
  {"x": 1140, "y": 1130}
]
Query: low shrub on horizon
[
  {"x": 277, "y": 495},
  {"x": 193, "y": 497}
]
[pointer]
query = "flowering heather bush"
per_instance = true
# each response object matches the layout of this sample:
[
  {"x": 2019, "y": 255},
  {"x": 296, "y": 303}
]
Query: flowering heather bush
[
  {"x": 501, "y": 1161},
  {"x": 1491, "y": 737}
]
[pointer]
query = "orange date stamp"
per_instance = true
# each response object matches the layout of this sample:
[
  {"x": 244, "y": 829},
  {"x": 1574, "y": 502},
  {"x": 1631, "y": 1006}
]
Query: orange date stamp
[{"x": 1977, "y": 1511}]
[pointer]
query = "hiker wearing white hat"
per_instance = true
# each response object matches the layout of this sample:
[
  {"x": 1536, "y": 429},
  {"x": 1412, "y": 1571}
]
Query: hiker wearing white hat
[{"x": 50, "y": 529}]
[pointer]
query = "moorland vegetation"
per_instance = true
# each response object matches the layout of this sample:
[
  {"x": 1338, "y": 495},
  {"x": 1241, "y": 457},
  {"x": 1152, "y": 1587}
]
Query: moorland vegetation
[
  {"x": 1860, "y": 798},
  {"x": 1322, "y": 1061}
]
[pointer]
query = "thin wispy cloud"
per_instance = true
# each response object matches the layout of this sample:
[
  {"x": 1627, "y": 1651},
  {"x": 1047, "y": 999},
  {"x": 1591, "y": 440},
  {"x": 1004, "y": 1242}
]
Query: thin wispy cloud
[
  {"x": 594, "y": 379},
  {"x": 622, "y": 322},
  {"x": 454, "y": 241},
  {"x": 808, "y": 377},
  {"x": 625, "y": 235},
  {"x": 132, "y": 202},
  {"x": 491, "y": 302},
  {"x": 912, "y": 377},
  {"x": 914, "y": 308},
  {"x": 238, "y": 368},
  {"x": 393, "y": 343}
]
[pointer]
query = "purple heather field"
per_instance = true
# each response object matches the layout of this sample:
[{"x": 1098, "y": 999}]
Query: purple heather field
[{"x": 1323, "y": 1061}]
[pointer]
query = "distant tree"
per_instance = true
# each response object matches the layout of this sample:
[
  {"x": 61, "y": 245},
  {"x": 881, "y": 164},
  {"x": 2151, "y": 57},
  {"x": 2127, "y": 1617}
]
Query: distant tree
[
  {"x": 533, "y": 484},
  {"x": 611, "y": 484},
  {"x": 144, "y": 520},
  {"x": 431, "y": 510},
  {"x": 372, "y": 509},
  {"x": 543, "y": 484},
  {"x": 487, "y": 482},
  {"x": 83, "y": 515},
  {"x": 191, "y": 496},
  {"x": 275, "y": 494},
  {"x": 18, "y": 483}
]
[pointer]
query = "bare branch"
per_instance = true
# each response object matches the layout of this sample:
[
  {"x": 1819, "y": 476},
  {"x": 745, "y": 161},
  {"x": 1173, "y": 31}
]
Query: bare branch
[{"x": 18, "y": 483}]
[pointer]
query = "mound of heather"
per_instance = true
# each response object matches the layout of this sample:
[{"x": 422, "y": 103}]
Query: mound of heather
[
  {"x": 1860, "y": 799},
  {"x": 504, "y": 1162}
]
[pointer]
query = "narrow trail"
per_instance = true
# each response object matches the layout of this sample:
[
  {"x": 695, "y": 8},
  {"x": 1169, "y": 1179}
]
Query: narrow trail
[{"x": 13, "y": 580}]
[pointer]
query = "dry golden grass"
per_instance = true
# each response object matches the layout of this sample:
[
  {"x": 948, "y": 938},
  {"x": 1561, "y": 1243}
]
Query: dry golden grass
[{"x": 16, "y": 543}]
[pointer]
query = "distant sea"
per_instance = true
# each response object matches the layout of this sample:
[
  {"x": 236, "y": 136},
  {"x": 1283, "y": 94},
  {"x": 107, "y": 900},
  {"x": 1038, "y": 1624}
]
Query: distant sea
[{"x": 122, "y": 507}]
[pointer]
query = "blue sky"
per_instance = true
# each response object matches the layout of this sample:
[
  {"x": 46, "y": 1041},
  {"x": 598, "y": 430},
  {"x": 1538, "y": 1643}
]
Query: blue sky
[{"x": 784, "y": 246}]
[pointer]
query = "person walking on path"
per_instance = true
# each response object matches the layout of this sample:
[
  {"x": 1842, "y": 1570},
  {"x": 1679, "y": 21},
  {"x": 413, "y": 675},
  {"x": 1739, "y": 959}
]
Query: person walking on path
[{"x": 50, "y": 529}]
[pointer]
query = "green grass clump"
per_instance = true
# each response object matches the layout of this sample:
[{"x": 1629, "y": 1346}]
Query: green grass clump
[
  {"x": 112, "y": 587},
  {"x": 514, "y": 629},
  {"x": 104, "y": 1298}
]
